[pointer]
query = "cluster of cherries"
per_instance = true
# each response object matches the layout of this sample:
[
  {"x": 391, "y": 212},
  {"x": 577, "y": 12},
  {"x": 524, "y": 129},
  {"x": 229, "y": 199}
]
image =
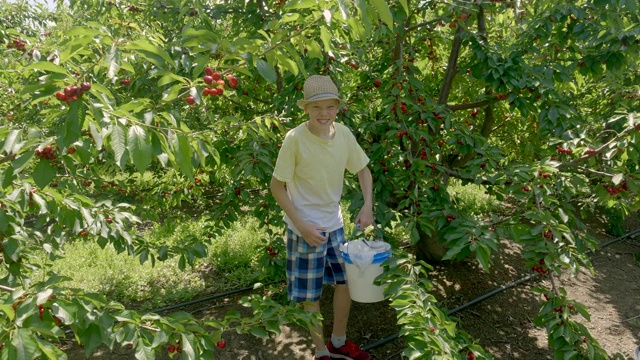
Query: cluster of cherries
[
  {"x": 72, "y": 93},
  {"x": 215, "y": 84},
  {"x": 46, "y": 153},
  {"x": 563, "y": 150},
  {"x": 540, "y": 269},
  {"x": 614, "y": 190},
  {"x": 272, "y": 253},
  {"x": 18, "y": 45}
]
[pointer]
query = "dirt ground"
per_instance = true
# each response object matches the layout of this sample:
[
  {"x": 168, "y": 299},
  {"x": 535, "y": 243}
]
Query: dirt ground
[{"x": 500, "y": 323}]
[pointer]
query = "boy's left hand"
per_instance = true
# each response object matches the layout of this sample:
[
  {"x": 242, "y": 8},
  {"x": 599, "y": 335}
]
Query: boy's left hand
[{"x": 365, "y": 217}]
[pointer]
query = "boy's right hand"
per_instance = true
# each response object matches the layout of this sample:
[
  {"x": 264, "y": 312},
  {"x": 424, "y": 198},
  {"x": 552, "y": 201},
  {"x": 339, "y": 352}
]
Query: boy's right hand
[{"x": 311, "y": 234}]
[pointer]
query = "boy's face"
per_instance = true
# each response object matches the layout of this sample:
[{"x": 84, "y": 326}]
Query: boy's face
[{"x": 322, "y": 113}]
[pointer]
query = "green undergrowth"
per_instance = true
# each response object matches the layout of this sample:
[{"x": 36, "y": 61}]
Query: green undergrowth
[
  {"x": 231, "y": 263},
  {"x": 472, "y": 199}
]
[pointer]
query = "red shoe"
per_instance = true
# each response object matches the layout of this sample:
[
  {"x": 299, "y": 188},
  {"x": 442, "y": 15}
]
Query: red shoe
[{"x": 349, "y": 351}]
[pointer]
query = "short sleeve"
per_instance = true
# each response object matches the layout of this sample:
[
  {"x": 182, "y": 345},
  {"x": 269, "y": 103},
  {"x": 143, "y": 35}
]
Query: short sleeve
[
  {"x": 357, "y": 158},
  {"x": 286, "y": 161}
]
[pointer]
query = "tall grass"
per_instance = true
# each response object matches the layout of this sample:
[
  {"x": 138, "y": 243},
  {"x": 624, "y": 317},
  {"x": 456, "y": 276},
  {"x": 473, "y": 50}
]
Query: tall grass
[
  {"x": 231, "y": 263},
  {"x": 122, "y": 278},
  {"x": 472, "y": 199}
]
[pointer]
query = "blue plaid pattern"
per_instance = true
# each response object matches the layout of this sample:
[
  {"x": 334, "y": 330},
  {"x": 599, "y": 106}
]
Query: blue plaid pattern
[{"x": 309, "y": 267}]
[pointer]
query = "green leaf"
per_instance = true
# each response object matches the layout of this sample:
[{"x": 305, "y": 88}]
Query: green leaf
[
  {"x": 112, "y": 61},
  {"x": 287, "y": 63},
  {"x": 74, "y": 123},
  {"x": 405, "y": 6},
  {"x": 262, "y": 333},
  {"x": 325, "y": 36},
  {"x": 151, "y": 52},
  {"x": 118, "y": 145},
  {"x": 50, "y": 351},
  {"x": 6, "y": 178},
  {"x": 188, "y": 348},
  {"x": 23, "y": 345},
  {"x": 90, "y": 338},
  {"x": 43, "y": 173},
  {"x": 10, "y": 140},
  {"x": 183, "y": 153},
  {"x": 7, "y": 309},
  {"x": 300, "y": 4},
  {"x": 171, "y": 93},
  {"x": 144, "y": 352},
  {"x": 267, "y": 71},
  {"x": 384, "y": 12},
  {"x": 47, "y": 66},
  {"x": 139, "y": 146},
  {"x": 553, "y": 113}
]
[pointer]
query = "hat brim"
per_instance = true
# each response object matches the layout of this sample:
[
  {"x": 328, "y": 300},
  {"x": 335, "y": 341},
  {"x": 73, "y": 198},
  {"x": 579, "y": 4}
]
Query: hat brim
[{"x": 302, "y": 103}]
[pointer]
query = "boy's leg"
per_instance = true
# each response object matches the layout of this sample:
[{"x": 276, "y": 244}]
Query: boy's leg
[
  {"x": 316, "y": 331},
  {"x": 341, "y": 308},
  {"x": 305, "y": 274}
]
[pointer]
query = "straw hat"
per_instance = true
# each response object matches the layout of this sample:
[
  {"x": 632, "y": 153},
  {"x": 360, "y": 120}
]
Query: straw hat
[{"x": 319, "y": 87}]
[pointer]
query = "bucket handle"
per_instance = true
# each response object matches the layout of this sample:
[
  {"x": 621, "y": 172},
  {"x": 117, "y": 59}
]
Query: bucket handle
[{"x": 357, "y": 228}]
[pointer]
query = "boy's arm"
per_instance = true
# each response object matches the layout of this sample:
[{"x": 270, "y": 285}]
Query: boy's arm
[
  {"x": 365, "y": 216},
  {"x": 310, "y": 233}
]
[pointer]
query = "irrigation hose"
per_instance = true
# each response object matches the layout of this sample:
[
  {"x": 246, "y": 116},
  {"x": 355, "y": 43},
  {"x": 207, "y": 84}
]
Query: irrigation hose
[
  {"x": 212, "y": 297},
  {"x": 491, "y": 293}
]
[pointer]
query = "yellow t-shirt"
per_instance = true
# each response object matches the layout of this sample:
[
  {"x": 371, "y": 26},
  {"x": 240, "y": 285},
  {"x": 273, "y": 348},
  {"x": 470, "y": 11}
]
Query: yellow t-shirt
[{"x": 313, "y": 169}]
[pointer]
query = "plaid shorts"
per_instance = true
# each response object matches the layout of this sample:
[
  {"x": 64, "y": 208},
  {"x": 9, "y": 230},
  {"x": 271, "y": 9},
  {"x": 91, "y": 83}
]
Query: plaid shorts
[{"x": 309, "y": 267}]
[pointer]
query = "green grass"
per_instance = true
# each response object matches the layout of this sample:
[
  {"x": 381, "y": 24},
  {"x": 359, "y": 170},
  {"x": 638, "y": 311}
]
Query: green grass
[
  {"x": 122, "y": 278},
  {"x": 473, "y": 200},
  {"x": 231, "y": 263}
]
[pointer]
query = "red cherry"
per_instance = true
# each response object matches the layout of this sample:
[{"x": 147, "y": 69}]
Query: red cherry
[
  {"x": 471, "y": 355},
  {"x": 208, "y": 79},
  {"x": 190, "y": 100},
  {"x": 233, "y": 81},
  {"x": 208, "y": 71},
  {"x": 216, "y": 76},
  {"x": 126, "y": 81},
  {"x": 71, "y": 150},
  {"x": 171, "y": 348},
  {"x": 61, "y": 96},
  {"x": 68, "y": 91},
  {"x": 85, "y": 86},
  {"x": 108, "y": 220},
  {"x": 221, "y": 344}
]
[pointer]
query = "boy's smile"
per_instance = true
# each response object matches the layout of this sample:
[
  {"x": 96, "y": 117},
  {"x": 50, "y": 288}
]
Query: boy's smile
[{"x": 322, "y": 114}]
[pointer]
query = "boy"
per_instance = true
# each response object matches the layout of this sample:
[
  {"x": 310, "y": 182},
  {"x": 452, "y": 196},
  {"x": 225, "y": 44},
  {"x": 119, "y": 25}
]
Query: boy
[{"x": 307, "y": 184}]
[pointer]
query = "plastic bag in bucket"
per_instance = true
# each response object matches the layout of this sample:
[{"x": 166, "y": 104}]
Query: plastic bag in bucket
[{"x": 363, "y": 261}]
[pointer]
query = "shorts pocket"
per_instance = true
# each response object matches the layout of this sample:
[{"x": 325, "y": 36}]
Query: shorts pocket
[{"x": 301, "y": 246}]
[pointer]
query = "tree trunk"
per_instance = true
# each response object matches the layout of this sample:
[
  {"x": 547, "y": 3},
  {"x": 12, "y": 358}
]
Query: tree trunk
[{"x": 429, "y": 248}]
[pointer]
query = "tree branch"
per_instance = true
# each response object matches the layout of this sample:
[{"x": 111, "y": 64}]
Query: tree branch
[
  {"x": 6, "y": 288},
  {"x": 6, "y": 158},
  {"x": 452, "y": 65},
  {"x": 597, "y": 151},
  {"x": 422, "y": 24}
]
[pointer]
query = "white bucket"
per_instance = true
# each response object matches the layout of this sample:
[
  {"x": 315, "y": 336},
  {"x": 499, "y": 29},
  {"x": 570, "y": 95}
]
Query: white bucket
[
  {"x": 362, "y": 271},
  {"x": 637, "y": 353},
  {"x": 360, "y": 283}
]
